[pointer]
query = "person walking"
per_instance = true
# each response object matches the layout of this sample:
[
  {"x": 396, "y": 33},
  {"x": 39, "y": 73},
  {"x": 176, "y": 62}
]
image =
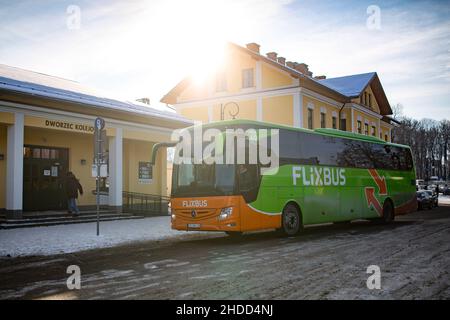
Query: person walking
[{"x": 73, "y": 186}]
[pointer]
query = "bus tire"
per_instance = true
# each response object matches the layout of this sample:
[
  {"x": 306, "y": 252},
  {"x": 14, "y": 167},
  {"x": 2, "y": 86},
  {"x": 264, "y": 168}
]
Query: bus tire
[
  {"x": 234, "y": 234},
  {"x": 291, "y": 220},
  {"x": 388, "y": 212}
]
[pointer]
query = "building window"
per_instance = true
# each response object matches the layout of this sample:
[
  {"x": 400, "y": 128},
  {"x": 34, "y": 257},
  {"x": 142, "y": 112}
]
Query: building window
[
  {"x": 221, "y": 82},
  {"x": 374, "y": 131},
  {"x": 386, "y": 137},
  {"x": 366, "y": 129},
  {"x": 365, "y": 98},
  {"x": 361, "y": 100},
  {"x": 36, "y": 153},
  {"x": 359, "y": 126},
  {"x": 323, "y": 120},
  {"x": 310, "y": 118},
  {"x": 370, "y": 100},
  {"x": 27, "y": 152},
  {"x": 334, "y": 122},
  {"x": 45, "y": 153},
  {"x": 247, "y": 78},
  {"x": 343, "y": 125}
]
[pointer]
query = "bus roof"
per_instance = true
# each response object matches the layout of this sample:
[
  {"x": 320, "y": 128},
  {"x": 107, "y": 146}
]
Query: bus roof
[{"x": 320, "y": 131}]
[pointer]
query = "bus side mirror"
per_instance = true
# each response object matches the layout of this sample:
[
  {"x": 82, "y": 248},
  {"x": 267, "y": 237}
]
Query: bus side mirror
[{"x": 156, "y": 147}]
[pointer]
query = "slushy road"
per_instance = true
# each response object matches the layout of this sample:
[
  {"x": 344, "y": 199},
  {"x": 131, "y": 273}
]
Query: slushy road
[{"x": 326, "y": 262}]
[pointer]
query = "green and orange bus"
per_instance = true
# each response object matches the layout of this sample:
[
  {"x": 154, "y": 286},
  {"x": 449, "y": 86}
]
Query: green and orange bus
[{"x": 323, "y": 175}]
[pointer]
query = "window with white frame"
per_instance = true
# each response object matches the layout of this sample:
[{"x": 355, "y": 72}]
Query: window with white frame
[{"x": 247, "y": 78}]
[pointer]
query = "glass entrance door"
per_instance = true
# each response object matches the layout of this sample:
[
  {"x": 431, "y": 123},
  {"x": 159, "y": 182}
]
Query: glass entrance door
[{"x": 44, "y": 172}]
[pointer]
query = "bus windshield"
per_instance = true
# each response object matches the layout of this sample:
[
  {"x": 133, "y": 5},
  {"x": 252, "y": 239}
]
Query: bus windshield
[{"x": 203, "y": 179}]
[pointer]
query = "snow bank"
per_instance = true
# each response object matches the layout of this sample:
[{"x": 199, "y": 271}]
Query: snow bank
[{"x": 78, "y": 237}]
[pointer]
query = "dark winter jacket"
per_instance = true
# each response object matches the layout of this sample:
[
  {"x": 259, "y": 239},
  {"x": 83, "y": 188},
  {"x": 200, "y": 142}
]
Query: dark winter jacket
[{"x": 72, "y": 187}]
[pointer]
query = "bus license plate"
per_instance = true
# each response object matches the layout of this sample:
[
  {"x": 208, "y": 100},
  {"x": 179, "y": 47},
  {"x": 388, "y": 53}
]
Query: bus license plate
[{"x": 193, "y": 225}]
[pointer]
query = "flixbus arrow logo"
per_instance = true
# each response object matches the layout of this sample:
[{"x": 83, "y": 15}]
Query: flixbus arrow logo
[
  {"x": 380, "y": 181},
  {"x": 370, "y": 192}
]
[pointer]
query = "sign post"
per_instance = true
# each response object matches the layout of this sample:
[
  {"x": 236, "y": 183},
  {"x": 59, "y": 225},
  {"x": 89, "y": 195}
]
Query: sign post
[{"x": 99, "y": 125}]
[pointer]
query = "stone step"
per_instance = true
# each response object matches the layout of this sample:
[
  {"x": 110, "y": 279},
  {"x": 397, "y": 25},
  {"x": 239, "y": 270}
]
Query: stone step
[
  {"x": 66, "y": 217},
  {"x": 44, "y": 223},
  {"x": 53, "y": 214}
]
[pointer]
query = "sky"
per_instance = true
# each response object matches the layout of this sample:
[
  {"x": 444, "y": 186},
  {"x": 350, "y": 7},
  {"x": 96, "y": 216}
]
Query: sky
[{"x": 143, "y": 48}]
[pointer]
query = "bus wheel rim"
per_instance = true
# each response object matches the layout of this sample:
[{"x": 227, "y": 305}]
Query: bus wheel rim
[{"x": 291, "y": 221}]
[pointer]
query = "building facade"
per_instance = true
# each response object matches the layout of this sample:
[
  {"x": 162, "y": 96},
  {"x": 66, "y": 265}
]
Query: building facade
[
  {"x": 267, "y": 88},
  {"x": 46, "y": 129}
]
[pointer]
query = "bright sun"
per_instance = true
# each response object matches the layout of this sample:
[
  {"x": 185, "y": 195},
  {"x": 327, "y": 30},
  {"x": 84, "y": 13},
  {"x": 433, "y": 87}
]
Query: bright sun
[{"x": 196, "y": 32}]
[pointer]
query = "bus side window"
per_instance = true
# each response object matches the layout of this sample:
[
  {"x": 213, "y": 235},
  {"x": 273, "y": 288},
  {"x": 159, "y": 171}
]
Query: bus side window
[
  {"x": 409, "y": 159},
  {"x": 249, "y": 180},
  {"x": 290, "y": 148},
  {"x": 396, "y": 163},
  {"x": 247, "y": 176}
]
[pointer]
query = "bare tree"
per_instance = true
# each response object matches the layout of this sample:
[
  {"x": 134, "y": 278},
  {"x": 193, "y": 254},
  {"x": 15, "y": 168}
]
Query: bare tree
[{"x": 429, "y": 141}]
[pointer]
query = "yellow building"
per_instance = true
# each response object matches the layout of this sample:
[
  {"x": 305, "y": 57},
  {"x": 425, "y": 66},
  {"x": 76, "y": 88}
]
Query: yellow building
[
  {"x": 46, "y": 129},
  {"x": 267, "y": 88}
]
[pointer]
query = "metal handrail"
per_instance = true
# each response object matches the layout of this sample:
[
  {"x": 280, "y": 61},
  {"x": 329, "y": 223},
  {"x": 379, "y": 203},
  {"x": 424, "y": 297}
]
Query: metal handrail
[{"x": 145, "y": 204}]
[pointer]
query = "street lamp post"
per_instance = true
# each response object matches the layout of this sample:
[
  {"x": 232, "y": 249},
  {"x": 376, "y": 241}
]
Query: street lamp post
[{"x": 222, "y": 110}]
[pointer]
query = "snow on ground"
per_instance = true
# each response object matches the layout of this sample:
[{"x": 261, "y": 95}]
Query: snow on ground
[
  {"x": 444, "y": 199},
  {"x": 78, "y": 237}
]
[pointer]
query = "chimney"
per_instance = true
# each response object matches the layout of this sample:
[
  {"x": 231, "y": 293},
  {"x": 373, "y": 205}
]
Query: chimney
[
  {"x": 144, "y": 100},
  {"x": 301, "y": 67},
  {"x": 253, "y": 47},
  {"x": 290, "y": 64},
  {"x": 272, "y": 56},
  {"x": 320, "y": 77},
  {"x": 282, "y": 60}
]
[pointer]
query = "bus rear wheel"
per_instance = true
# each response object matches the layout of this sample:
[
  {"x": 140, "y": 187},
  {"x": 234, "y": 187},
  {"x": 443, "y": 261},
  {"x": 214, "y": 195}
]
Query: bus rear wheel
[
  {"x": 388, "y": 212},
  {"x": 291, "y": 220}
]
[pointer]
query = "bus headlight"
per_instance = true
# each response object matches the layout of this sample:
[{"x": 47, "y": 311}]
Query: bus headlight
[{"x": 225, "y": 213}]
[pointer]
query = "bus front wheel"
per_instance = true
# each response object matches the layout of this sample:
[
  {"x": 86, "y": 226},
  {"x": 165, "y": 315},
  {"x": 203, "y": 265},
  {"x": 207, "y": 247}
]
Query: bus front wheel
[{"x": 291, "y": 220}]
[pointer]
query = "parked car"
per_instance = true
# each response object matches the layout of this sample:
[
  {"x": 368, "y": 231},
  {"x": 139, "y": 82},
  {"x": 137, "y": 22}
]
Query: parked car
[
  {"x": 424, "y": 201},
  {"x": 433, "y": 179},
  {"x": 434, "y": 198}
]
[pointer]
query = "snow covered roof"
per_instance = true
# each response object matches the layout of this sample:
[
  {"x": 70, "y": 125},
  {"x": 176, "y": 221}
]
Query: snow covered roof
[
  {"x": 43, "y": 85},
  {"x": 350, "y": 86}
]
